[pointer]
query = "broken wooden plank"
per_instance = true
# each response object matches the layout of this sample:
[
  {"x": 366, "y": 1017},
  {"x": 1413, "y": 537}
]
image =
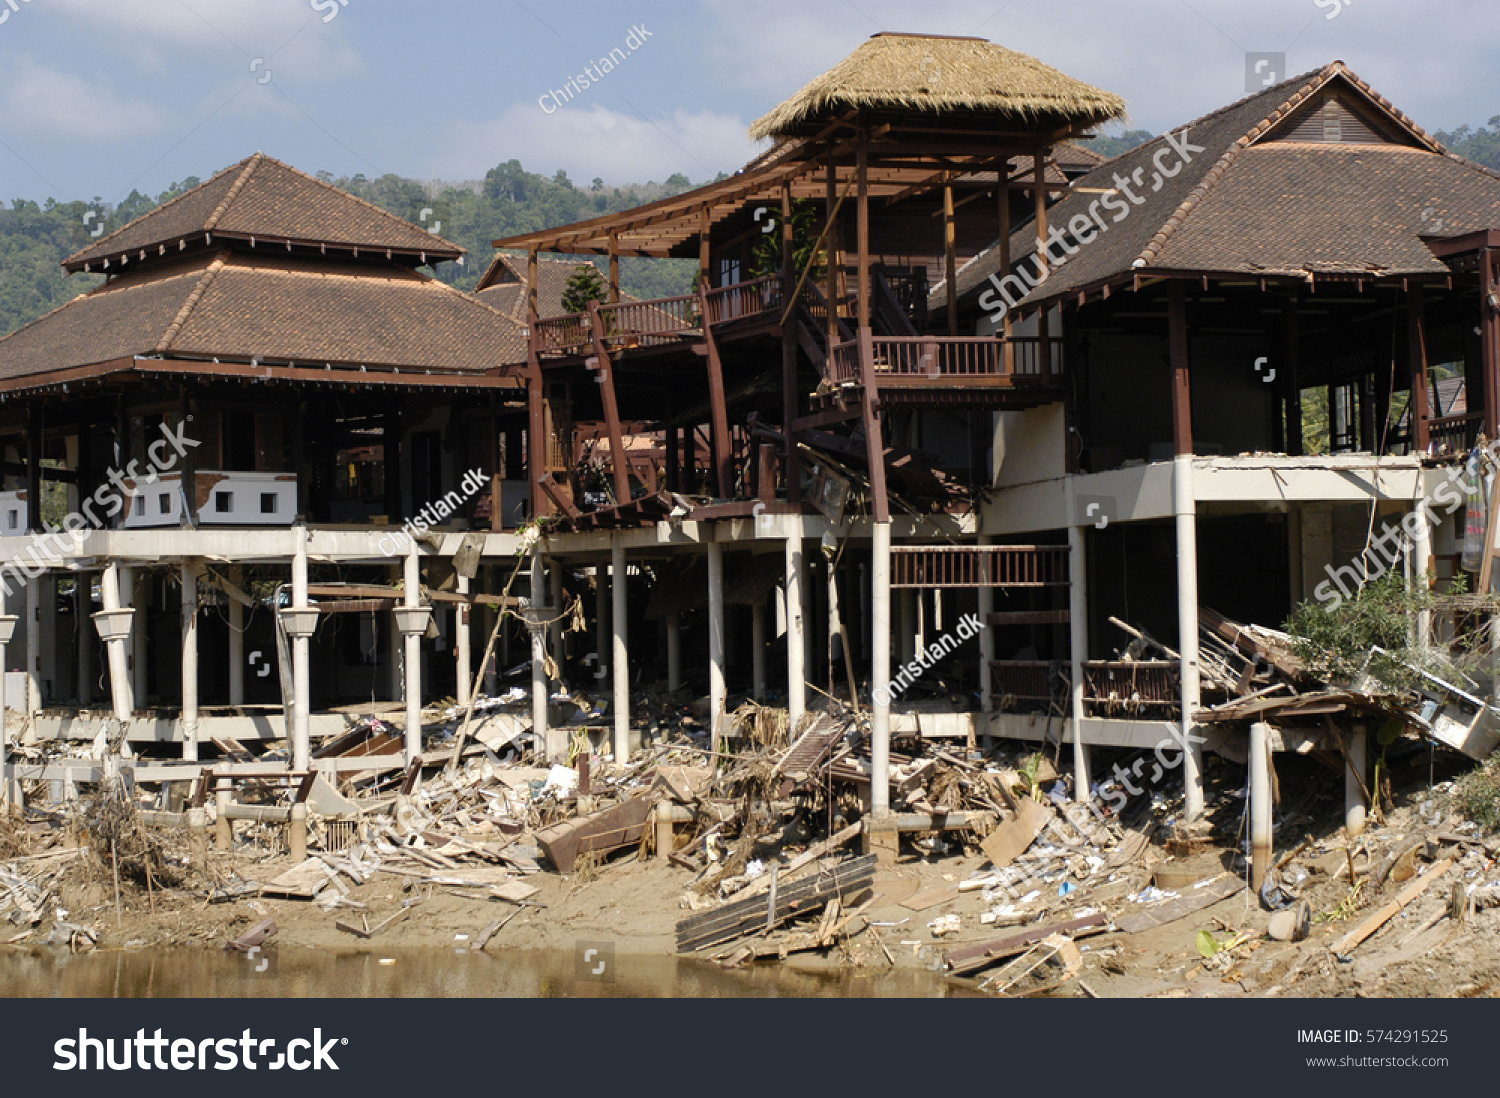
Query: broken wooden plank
[
  {"x": 1197, "y": 898},
  {"x": 617, "y": 826},
  {"x": 975, "y": 957},
  {"x": 799, "y": 898},
  {"x": 252, "y": 937},
  {"x": 516, "y": 892},
  {"x": 1012, "y": 838},
  {"x": 811, "y": 854},
  {"x": 1394, "y": 908}
]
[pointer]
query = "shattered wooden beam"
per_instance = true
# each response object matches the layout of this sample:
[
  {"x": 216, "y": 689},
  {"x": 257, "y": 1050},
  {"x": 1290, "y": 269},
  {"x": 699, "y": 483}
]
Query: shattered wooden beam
[{"x": 755, "y": 914}]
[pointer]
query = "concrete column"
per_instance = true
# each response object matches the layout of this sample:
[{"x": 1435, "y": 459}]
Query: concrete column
[
  {"x": 1355, "y": 772},
  {"x": 1421, "y": 567},
  {"x": 34, "y": 646},
  {"x": 236, "y": 640},
  {"x": 464, "y": 669},
  {"x": 601, "y": 619},
  {"x": 189, "y": 662},
  {"x": 301, "y": 667},
  {"x": 119, "y": 675},
  {"x": 620, "y": 663},
  {"x": 1078, "y": 648},
  {"x": 10, "y": 790},
  {"x": 674, "y": 652},
  {"x": 411, "y": 598},
  {"x": 986, "y": 599},
  {"x": 556, "y": 628},
  {"x": 1185, "y": 509},
  {"x": 880, "y": 671},
  {"x": 796, "y": 653},
  {"x": 758, "y": 650},
  {"x": 83, "y": 607},
  {"x": 1260, "y": 803},
  {"x": 395, "y": 646},
  {"x": 138, "y": 585},
  {"x": 716, "y": 624},
  {"x": 540, "y": 689}
]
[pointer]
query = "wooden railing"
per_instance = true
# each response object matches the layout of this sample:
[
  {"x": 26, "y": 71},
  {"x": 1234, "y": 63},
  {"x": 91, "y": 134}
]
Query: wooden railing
[
  {"x": 650, "y": 323},
  {"x": 1110, "y": 687},
  {"x": 745, "y": 299},
  {"x": 946, "y": 566},
  {"x": 1449, "y": 435},
  {"x": 949, "y": 357},
  {"x": 1123, "y": 687}
]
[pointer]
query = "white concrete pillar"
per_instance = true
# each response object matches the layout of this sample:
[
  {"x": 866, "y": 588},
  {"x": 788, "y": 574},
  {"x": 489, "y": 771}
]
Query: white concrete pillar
[
  {"x": 880, "y": 671},
  {"x": 34, "y": 646},
  {"x": 796, "y": 652},
  {"x": 1355, "y": 772},
  {"x": 602, "y": 642},
  {"x": 717, "y": 692},
  {"x": 1078, "y": 649},
  {"x": 1260, "y": 803},
  {"x": 236, "y": 640},
  {"x": 301, "y": 667},
  {"x": 412, "y": 598},
  {"x": 10, "y": 791},
  {"x": 189, "y": 661},
  {"x": 620, "y": 663},
  {"x": 758, "y": 650},
  {"x": 555, "y": 630},
  {"x": 462, "y": 642},
  {"x": 119, "y": 675},
  {"x": 1185, "y": 509},
  {"x": 396, "y": 644},
  {"x": 1421, "y": 567},
  {"x": 674, "y": 652},
  {"x": 540, "y": 688}
]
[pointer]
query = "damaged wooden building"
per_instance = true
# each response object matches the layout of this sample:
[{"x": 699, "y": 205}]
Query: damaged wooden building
[{"x": 949, "y": 389}]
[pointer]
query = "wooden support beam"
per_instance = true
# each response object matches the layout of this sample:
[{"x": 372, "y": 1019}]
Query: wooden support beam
[
  {"x": 862, "y": 224},
  {"x": 35, "y": 425},
  {"x": 950, "y": 257},
  {"x": 1416, "y": 338},
  {"x": 1182, "y": 394},
  {"x": 604, "y": 375},
  {"x": 1039, "y": 193},
  {"x": 1292, "y": 365},
  {"x": 790, "y": 400},
  {"x": 1489, "y": 326},
  {"x": 614, "y": 267},
  {"x": 718, "y": 408}
]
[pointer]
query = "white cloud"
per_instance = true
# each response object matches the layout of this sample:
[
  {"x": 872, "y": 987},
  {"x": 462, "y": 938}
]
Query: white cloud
[
  {"x": 158, "y": 35},
  {"x": 47, "y": 105},
  {"x": 589, "y": 141}
]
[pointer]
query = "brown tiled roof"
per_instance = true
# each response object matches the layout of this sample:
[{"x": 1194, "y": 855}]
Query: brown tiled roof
[
  {"x": 263, "y": 199},
  {"x": 237, "y": 306},
  {"x": 503, "y": 287},
  {"x": 1251, "y": 207}
]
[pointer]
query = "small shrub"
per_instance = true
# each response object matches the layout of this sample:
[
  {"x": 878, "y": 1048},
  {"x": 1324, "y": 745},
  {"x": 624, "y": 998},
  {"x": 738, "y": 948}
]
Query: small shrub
[{"x": 1477, "y": 795}]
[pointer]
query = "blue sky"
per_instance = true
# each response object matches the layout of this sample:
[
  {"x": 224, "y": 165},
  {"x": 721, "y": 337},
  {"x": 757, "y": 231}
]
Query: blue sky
[{"x": 101, "y": 96}]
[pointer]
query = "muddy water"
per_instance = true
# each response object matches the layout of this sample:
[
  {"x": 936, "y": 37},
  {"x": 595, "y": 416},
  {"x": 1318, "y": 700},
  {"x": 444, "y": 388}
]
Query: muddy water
[{"x": 428, "y": 974}]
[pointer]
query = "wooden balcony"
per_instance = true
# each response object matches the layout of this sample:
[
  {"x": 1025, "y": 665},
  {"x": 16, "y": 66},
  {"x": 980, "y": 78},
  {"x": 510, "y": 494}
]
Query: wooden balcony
[
  {"x": 1451, "y": 436},
  {"x": 919, "y": 567},
  {"x": 663, "y": 322},
  {"x": 989, "y": 370},
  {"x": 1111, "y": 688}
]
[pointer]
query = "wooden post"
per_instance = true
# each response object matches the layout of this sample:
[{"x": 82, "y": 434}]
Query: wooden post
[
  {"x": 718, "y": 406},
  {"x": 862, "y": 229},
  {"x": 1039, "y": 194},
  {"x": 831, "y": 277},
  {"x": 1292, "y": 380},
  {"x": 34, "y": 429},
  {"x": 1182, "y": 396},
  {"x": 1003, "y": 199},
  {"x": 531, "y": 286},
  {"x": 605, "y": 377},
  {"x": 1416, "y": 337},
  {"x": 790, "y": 400},
  {"x": 1490, "y": 346},
  {"x": 704, "y": 245},
  {"x": 390, "y": 440},
  {"x": 614, "y": 267},
  {"x": 950, "y": 256}
]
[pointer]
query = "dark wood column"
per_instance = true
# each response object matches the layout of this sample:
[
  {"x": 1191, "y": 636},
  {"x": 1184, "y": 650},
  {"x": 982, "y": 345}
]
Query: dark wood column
[
  {"x": 1182, "y": 392},
  {"x": 390, "y": 438},
  {"x": 1489, "y": 343},
  {"x": 35, "y": 425},
  {"x": 1292, "y": 377},
  {"x": 1416, "y": 338}
]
